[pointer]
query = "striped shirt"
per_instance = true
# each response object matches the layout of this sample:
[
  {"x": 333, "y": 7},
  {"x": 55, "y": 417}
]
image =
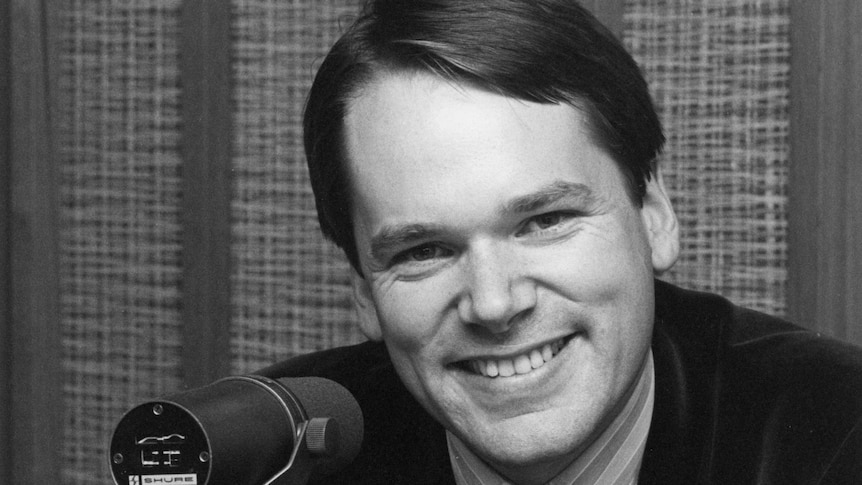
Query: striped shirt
[{"x": 614, "y": 458}]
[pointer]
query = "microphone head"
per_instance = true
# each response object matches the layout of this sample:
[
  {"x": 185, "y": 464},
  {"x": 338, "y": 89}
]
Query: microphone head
[{"x": 323, "y": 398}]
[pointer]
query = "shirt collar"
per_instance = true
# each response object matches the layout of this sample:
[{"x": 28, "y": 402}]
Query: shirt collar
[{"x": 614, "y": 458}]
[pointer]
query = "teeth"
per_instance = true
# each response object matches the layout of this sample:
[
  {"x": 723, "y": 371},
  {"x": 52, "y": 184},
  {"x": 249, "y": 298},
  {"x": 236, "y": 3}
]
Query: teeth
[
  {"x": 547, "y": 353},
  {"x": 506, "y": 368},
  {"x": 522, "y": 364},
  {"x": 536, "y": 359}
]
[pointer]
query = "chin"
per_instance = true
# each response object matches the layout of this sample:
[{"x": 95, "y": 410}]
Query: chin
[
  {"x": 535, "y": 441},
  {"x": 530, "y": 462}
]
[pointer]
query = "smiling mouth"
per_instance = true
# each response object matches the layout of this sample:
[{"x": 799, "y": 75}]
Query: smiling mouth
[{"x": 518, "y": 365}]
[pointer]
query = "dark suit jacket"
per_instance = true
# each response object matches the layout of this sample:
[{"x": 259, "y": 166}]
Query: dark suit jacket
[{"x": 741, "y": 398}]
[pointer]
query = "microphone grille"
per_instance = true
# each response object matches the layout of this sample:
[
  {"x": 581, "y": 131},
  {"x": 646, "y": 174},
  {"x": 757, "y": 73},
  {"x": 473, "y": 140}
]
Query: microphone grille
[{"x": 324, "y": 398}]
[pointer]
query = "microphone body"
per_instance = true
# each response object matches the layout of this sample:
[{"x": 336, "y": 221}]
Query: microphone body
[{"x": 242, "y": 430}]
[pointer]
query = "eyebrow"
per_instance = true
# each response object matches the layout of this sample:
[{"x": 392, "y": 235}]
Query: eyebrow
[
  {"x": 390, "y": 238},
  {"x": 550, "y": 194}
]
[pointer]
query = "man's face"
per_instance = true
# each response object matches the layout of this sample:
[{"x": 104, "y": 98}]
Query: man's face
[{"x": 505, "y": 265}]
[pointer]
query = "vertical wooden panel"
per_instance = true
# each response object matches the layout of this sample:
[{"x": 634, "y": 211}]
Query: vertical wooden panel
[
  {"x": 825, "y": 211},
  {"x": 609, "y": 12},
  {"x": 206, "y": 145},
  {"x": 36, "y": 368},
  {"x": 5, "y": 262},
  {"x": 852, "y": 66}
]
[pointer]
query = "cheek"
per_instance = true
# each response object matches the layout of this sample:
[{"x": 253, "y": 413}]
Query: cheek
[
  {"x": 413, "y": 317},
  {"x": 599, "y": 266},
  {"x": 411, "y": 314},
  {"x": 609, "y": 273}
]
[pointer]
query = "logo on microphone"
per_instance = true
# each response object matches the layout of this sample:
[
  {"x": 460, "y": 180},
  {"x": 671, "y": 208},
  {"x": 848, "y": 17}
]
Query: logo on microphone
[
  {"x": 161, "y": 440},
  {"x": 185, "y": 478}
]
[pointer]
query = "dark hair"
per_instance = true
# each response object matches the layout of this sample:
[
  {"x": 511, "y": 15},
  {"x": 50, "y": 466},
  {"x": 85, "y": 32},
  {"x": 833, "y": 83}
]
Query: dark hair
[{"x": 547, "y": 51}]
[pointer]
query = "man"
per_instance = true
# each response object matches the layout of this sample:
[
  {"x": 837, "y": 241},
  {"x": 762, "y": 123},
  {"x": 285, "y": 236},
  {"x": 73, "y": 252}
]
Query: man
[{"x": 489, "y": 169}]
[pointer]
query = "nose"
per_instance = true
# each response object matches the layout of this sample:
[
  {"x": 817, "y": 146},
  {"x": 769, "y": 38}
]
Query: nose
[{"x": 497, "y": 288}]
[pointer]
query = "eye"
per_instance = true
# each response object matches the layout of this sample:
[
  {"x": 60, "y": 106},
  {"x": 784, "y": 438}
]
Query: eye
[
  {"x": 423, "y": 253},
  {"x": 544, "y": 222}
]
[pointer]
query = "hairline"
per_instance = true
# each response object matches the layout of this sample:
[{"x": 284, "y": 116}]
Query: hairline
[{"x": 377, "y": 70}]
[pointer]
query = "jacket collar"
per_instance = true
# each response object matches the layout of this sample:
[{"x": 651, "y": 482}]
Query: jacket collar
[{"x": 687, "y": 352}]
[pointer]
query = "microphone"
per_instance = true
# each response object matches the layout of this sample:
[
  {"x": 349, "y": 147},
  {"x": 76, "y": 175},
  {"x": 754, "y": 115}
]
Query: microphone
[{"x": 240, "y": 430}]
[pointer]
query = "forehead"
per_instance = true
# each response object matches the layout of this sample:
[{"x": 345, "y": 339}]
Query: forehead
[{"x": 414, "y": 138}]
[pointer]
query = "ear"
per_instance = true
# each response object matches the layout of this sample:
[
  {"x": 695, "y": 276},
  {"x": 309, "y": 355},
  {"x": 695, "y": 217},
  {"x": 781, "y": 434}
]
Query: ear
[
  {"x": 661, "y": 224},
  {"x": 365, "y": 308}
]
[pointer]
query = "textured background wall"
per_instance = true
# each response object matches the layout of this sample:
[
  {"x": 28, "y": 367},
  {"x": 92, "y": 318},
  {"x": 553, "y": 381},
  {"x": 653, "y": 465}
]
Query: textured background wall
[
  {"x": 118, "y": 105},
  {"x": 719, "y": 73},
  {"x": 290, "y": 288}
]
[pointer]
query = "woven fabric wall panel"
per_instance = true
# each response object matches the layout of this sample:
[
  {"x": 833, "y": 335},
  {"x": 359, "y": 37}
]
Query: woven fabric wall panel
[
  {"x": 118, "y": 118},
  {"x": 290, "y": 288},
  {"x": 719, "y": 71}
]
